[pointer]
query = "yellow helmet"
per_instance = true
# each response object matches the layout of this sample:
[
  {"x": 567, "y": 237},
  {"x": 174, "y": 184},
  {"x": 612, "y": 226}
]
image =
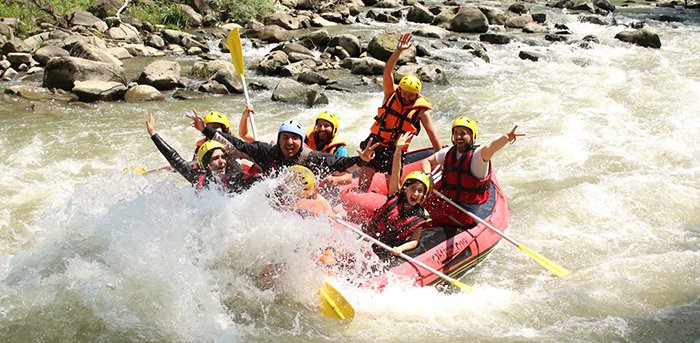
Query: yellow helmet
[
  {"x": 420, "y": 176},
  {"x": 216, "y": 117},
  {"x": 205, "y": 148},
  {"x": 331, "y": 118},
  {"x": 468, "y": 123},
  {"x": 411, "y": 84},
  {"x": 307, "y": 181}
]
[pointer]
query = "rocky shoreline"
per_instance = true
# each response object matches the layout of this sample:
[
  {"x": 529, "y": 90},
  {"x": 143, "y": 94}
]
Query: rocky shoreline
[{"x": 85, "y": 62}]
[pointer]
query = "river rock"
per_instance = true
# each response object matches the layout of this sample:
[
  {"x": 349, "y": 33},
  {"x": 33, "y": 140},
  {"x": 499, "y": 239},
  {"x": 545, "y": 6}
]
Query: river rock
[
  {"x": 534, "y": 28},
  {"x": 432, "y": 32},
  {"x": 213, "y": 87},
  {"x": 477, "y": 49},
  {"x": 104, "y": 8},
  {"x": 5, "y": 64},
  {"x": 383, "y": 45},
  {"x": 495, "y": 16},
  {"x": 271, "y": 63},
  {"x": 518, "y": 8},
  {"x": 444, "y": 18},
  {"x": 495, "y": 38},
  {"x": 518, "y": 22},
  {"x": 44, "y": 54},
  {"x": 62, "y": 72},
  {"x": 125, "y": 33},
  {"x": 161, "y": 74},
  {"x": 318, "y": 40},
  {"x": 290, "y": 91},
  {"x": 84, "y": 18},
  {"x": 40, "y": 93},
  {"x": 294, "y": 69},
  {"x": 420, "y": 14},
  {"x": 6, "y": 31},
  {"x": 90, "y": 91},
  {"x": 194, "y": 18},
  {"x": 366, "y": 66},
  {"x": 19, "y": 58},
  {"x": 9, "y": 74},
  {"x": 90, "y": 52},
  {"x": 92, "y": 40},
  {"x": 349, "y": 42},
  {"x": 312, "y": 77},
  {"x": 227, "y": 79},
  {"x": 275, "y": 34},
  {"x": 156, "y": 41},
  {"x": 142, "y": 93},
  {"x": 283, "y": 20},
  {"x": 645, "y": 37},
  {"x": 207, "y": 69},
  {"x": 15, "y": 45},
  {"x": 387, "y": 4},
  {"x": 119, "y": 52},
  {"x": 469, "y": 19},
  {"x": 530, "y": 55}
]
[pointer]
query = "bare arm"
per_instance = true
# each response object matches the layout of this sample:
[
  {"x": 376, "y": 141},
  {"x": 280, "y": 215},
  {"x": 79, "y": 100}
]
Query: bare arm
[
  {"x": 243, "y": 125},
  {"x": 494, "y": 146},
  {"x": 395, "y": 180},
  {"x": 428, "y": 164},
  {"x": 412, "y": 242},
  {"x": 403, "y": 44},
  {"x": 427, "y": 121}
]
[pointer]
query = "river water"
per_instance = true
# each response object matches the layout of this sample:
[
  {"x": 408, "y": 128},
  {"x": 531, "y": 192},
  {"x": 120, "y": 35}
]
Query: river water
[{"x": 605, "y": 183}]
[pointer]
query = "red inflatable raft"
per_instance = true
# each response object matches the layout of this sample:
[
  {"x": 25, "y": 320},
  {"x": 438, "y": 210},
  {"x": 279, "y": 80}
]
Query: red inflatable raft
[{"x": 452, "y": 243}]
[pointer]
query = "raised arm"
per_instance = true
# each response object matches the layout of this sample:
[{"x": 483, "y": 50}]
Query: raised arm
[
  {"x": 395, "y": 179},
  {"x": 243, "y": 125},
  {"x": 174, "y": 159},
  {"x": 403, "y": 44},
  {"x": 427, "y": 121},
  {"x": 490, "y": 149}
]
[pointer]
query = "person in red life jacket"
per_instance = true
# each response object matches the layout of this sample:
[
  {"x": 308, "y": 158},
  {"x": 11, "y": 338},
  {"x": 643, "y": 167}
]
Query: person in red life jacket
[
  {"x": 299, "y": 193},
  {"x": 466, "y": 168},
  {"x": 212, "y": 155},
  {"x": 403, "y": 109},
  {"x": 398, "y": 223},
  {"x": 288, "y": 150}
]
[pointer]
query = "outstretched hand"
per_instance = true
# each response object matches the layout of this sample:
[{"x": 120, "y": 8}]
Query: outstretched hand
[
  {"x": 197, "y": 121},
  {"x": 404, "y": 42},
  {"x": 368, "y": 154},
  {"x": 512, "y": 136},
  {"x": 151, "y": 125},
  {"x": 403, "y": 140}
]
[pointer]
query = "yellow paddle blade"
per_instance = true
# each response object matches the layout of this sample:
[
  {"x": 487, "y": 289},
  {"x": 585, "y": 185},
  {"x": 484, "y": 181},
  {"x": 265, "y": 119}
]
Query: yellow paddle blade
[
  {"x": 463, "y": 287},
  {"x": 135, "y": 170},
  {"x": 545, "y": 262},
  {"x": 234, "y": 46},
  {"x": 333, "y": 304}
]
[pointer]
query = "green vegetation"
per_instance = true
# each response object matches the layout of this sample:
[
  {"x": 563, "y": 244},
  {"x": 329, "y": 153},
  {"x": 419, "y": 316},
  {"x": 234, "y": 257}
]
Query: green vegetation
[
  {"x": 241, "y": 11},
  {"x": 164, "y": 12}
]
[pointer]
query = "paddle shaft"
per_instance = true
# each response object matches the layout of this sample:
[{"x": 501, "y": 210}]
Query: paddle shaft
[{"x": 404, "y": 256}]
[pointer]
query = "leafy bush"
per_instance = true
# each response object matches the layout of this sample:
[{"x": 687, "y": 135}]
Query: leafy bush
[
  {"x": 162, "y": 12},
  {"x": 242, "y": 11}
]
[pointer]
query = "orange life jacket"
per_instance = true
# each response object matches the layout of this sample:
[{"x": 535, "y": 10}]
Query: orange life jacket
[
  {"x": 391, "y": 226},
  {"x": 329, "y": 148},
  {"x": 316, "y": 206},
  {"x": 395, "y": 118},
  {"x": 459, "y": 184}
]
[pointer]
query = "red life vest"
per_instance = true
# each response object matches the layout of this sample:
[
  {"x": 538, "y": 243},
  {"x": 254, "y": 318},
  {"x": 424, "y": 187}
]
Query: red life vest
[
  {"x": 459, "y": 184},
  {"x": 329, "y": 148},
  {"x": 391, "y": 226},
  {"x": 395, "y": 118}
]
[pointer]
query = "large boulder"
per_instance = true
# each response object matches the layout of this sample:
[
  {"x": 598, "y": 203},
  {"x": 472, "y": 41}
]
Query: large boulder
[
  {"x": 383, "y": 45},
  {"x": 125, "y": 33},
  {"x": 420, "y": 14},
  {"x": 350, "y": 43},
  {"x": 284, "y": 20},
  {"x": 44, "y": 54},
  {"x": 273, "y": 62},
  {"x": 275, "y": 34},
  {"x": 645, "y": 37},
  {"x": 90, "y": 91},
  {"x": 142, "y": 93},
  {"x": 90, "y": 52},
  {"x": 84, "y": 18},
  {"x": 15, "y": 45},
  {"x": 470, "y": 20},
  {"x": 194, "y": 18},
  {"x": 318, "y": 39},
  {"x": 161, "y": 74},
  {"x": 104, "y": 8},
  {"x": 40, "y": 93},
  {"x": 62, "y": 72},
  {"x": 293, "y": 92}
]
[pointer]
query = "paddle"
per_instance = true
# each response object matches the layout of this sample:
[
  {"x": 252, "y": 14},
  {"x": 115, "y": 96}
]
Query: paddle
[
  {"x": 141, "y": 170},
  {"x": 453, "y": 281},
  {"x": 234, "y": 46},
  {"x": 545, "y": 262},
  {"x": 333, "y": 304}
]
